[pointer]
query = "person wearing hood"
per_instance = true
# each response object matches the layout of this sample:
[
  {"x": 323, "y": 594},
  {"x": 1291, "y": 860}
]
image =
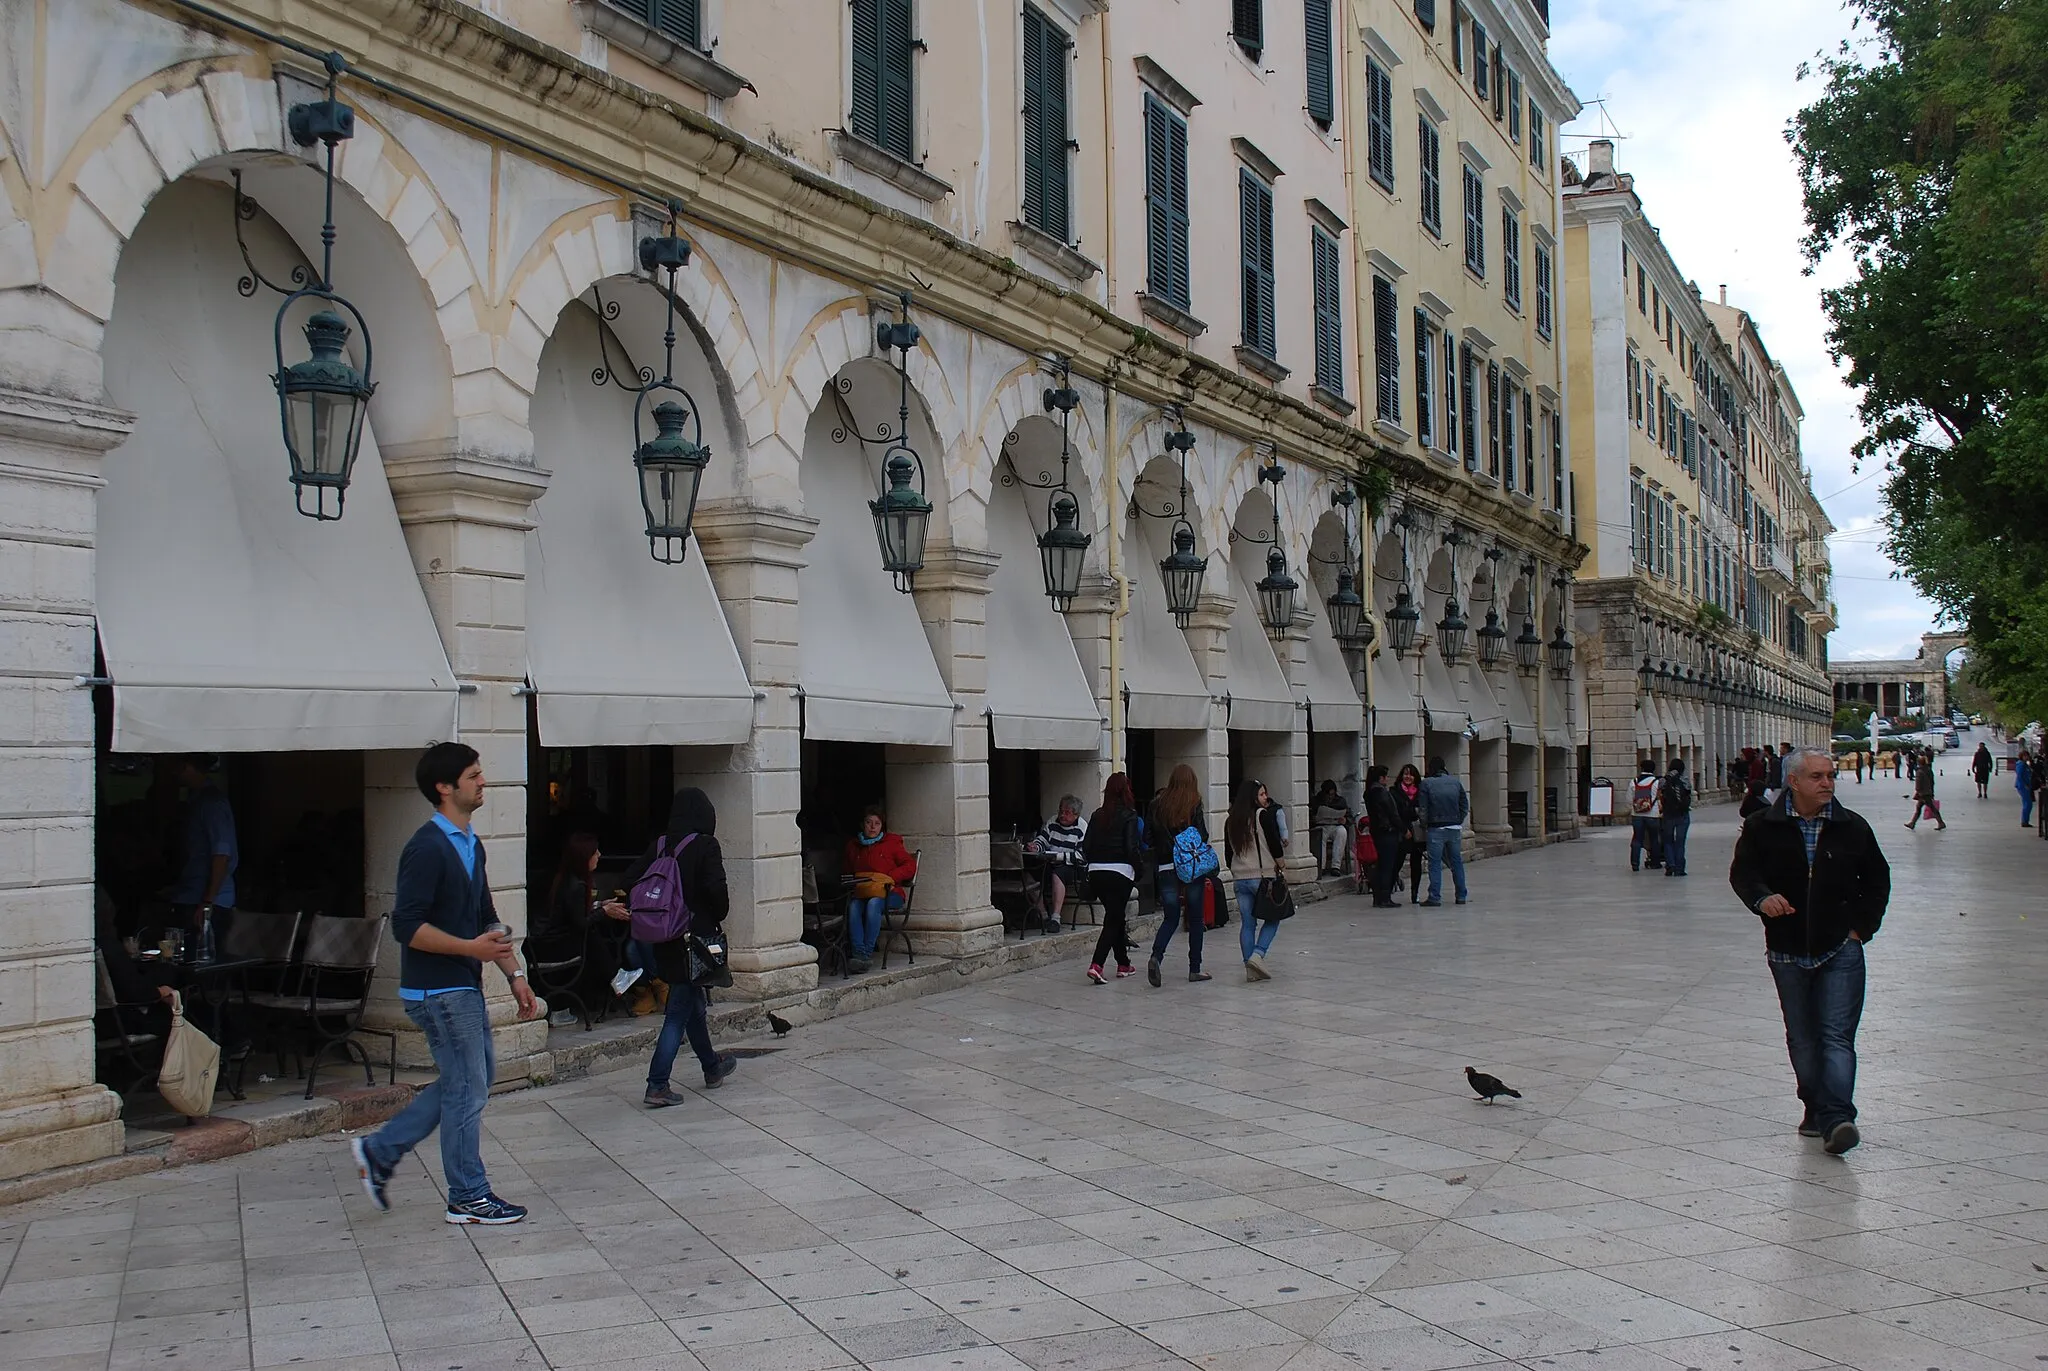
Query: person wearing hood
[{"x": 700, "y": 868}]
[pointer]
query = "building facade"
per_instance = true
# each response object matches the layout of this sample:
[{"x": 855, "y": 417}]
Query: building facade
[
  {"x": 1136, "y": 256},
  {"x": 1704, "y": 614}
]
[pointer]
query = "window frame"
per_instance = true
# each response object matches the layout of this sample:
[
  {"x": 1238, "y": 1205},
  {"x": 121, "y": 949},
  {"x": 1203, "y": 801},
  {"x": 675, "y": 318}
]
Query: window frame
[
  {"x": 1320, "y": 67},
  {"x": 1171, "y": 281},
  {"x": 1539, "y": 156},
  {"x": 1510, "y": 257},
  {"x": 1379, "y": 124},
  {"x": 1546, "y": 306},
  {"x": 1048, "y": 154},
  {"x": 1248, "y": 27},
  {"x": 899, "y": 77},
  {"x": 1386, "y": 350},
  {"x": 1425, "y": 378},
  {"x": 1258, "y": 307},
  {"x": 1479, "y": 86},
  {"x": 1326, "y": 259},
  {"x": 1474, "y": 182},
  {"x": 1429, "y": 151}
]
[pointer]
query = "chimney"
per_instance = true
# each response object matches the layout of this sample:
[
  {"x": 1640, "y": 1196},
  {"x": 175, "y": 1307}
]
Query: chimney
[
  {"x": 1600, "y": 157},
  {"x": 1724, "y": 292}
]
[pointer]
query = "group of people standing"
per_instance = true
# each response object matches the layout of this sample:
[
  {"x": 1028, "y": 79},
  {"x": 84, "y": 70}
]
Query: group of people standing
[
  {"x": 1414, "y": 817},
  {"x": 1660, "y": 818}
]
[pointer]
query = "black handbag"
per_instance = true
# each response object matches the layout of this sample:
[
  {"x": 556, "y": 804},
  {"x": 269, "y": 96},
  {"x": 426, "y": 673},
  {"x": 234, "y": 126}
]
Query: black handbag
[
  {"x": 1274, "y": 901},
  {"x": 708, "y": 969}
]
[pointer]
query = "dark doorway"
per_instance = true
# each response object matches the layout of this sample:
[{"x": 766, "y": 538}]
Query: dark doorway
[{"x": 1015, "y": 806}]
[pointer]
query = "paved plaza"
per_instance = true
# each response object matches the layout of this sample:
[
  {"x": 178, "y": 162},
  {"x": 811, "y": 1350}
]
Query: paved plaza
[{"x": 1037, "y": 1172}]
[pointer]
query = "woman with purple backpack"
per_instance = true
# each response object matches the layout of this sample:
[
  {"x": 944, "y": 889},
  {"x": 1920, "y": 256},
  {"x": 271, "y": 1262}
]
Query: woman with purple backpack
[{"x": 700, "y": 874}]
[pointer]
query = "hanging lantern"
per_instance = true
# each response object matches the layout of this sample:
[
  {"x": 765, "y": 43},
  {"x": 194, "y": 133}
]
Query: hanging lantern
[
  {"x": 1276, "y": 591},
  {"x": 1402, "y": 622},
  {"x": 323, "y": 402},
  {"x": 1561, "y": 651},
  {"x": 1528, "y": 649},
  {"x": 671, "y": 466},
  {"x": 1493, "y": 640},
  {"x": 902, "y": 516},
  {"x": 1346, "y": 609},
  {"x": 1183, "y": 572},
  {"x": 1451, "y": 633},
  {"x": 1061, "y": 550}
]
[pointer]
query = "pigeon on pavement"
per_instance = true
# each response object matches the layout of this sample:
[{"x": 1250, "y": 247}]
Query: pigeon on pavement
[
  {"x": 1489, "y": 1087},
  {"x": 779, "y": 1024}
]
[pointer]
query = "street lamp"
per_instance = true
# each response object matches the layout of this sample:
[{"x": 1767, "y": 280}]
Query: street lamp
[
  {"x": 902, "y": 514},
  {"x": 1062, "y": 547},
  {"x": 1493, "y": 639},
  {"x": 1346, "y": 607},
  {"x": 1402, "y": 621},
  {"x": 1451, "y": 633},
  {"x": 1180, "y": 569}
]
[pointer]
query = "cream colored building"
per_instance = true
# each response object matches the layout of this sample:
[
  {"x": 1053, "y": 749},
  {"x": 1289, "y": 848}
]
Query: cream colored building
[
  {"x": 1112, "y": 199},
  {"x": 1700, "y": 639}
]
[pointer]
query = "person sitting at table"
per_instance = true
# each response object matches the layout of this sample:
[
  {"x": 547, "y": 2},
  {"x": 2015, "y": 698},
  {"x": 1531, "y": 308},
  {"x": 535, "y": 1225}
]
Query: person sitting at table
[
  {"x": 143, "y": 988},
  {"x": 1059, "y": 841},
  {"x": 561, "y": 926},
  {"x": 1330, "y": 819},
  {"x": 877, "y": 866}
]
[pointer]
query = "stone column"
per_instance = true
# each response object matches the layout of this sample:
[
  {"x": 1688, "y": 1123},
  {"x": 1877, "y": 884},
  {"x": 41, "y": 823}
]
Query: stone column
[
  {"x": 941, "y": 805},
  {"x": 52, "y": 1110},
  {"x": 466, "y": 516},
  {"x": 754, "y": 553},
  {"x": 1088, "y": 621},
  {"x": 1287, "y": 772},
  {"x": 1205, "y": 635}
]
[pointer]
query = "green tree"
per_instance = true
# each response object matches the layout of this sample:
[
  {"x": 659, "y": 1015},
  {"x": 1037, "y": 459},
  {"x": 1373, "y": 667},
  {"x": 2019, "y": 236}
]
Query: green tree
[
  {"x": 1854, "y": 718},
  {"x": 1926, "y": 159}
]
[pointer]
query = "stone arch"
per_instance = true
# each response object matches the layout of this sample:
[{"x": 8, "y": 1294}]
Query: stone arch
[
  {"x": 1017, "y": 399},
  {"x": 1149, "y": 466}
]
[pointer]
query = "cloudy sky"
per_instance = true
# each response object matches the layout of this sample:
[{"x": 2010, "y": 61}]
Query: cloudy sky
[{"x": 1700, "y": 92}]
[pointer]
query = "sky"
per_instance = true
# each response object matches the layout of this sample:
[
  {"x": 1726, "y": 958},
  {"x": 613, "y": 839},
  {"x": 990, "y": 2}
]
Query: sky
[{"x": 1700, "y": 92}]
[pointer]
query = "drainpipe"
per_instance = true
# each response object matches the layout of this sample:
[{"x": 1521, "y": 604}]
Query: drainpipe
[{"x": 1111, "y": 445}]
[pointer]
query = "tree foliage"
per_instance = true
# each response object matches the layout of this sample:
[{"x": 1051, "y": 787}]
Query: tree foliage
[{"x": 1926, "y": 159}]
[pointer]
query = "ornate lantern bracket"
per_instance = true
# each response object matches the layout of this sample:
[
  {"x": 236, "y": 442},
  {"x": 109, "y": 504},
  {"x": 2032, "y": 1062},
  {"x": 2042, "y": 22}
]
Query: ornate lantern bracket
[
  {"x": 1062, "y": 546},
  {"x": 1182, "y": 571}
]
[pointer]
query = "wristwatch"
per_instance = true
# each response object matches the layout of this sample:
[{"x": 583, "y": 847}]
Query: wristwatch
[{"x": 515, "y": 975}]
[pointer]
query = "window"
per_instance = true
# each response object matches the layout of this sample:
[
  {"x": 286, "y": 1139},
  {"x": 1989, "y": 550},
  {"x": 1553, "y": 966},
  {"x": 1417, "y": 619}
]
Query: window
[
  {"x": 1457, "y": 38},
  {"x": 1425, "y": 14},
  {"x": 1379, "y": 124},
  {"x": 1475, "y": 222},
  {"x": 1681, "y": 550},
  {"x": 1511, "y": 259},
  {"x": 1468, "y": 399},
  {"x": 1248, "y": 26},
  {"x": 1538, "y": 148},
  {"x": 1507, "y": 434},
  {"x": 1322, "y": 99},
  {"x": 1479, "y": 86},
  {"x": 1514, "y": 96},
  {"x": 1635, "y": 390},
  {"x": 679, "y": 19},
  {"x": 1386, "y": 350},
  {"x": 1329, "y": 287},
  {"x": 1642, "y": 290},
  {"x": 1429, "y": 143},
  {"x": 1638, "y": 509},
  {"x": 1450, "y": 389},
  {"x": 1046, "y": 174},
  {"x": 1255, "y": 219},
  {"x": 1493, "y": 420},
  {"x": 1500, "y": 85},
  {"x": 882, "y": 49},
  {"x": 1553, "y": 423},
  {"x": 1425, "y": 381},
  {"x": 1528, "y": 445},
  {"x": 1544, "y": 286},
  {"x": 1166, "y": 203}
]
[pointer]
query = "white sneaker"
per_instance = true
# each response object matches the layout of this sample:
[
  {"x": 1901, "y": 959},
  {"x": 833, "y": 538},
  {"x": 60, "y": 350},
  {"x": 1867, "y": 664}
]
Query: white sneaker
[
  {"x": 623, "y": 982},
  {"x": 1255, "y": 968}
]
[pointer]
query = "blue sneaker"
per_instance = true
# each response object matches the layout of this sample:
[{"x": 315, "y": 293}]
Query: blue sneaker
[
  {"x": 374, "y": 1177},
  {"x": 488, "y": 1210}
]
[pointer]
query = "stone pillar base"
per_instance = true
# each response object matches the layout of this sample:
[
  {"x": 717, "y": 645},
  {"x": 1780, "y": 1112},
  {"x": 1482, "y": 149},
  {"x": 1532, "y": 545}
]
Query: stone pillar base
[
  {"x": 512, "y": 1040},
  {"x": 962, "y": 934},
  {"x": 81, "y": 1125},
  {"x": 772, "y": 973}
]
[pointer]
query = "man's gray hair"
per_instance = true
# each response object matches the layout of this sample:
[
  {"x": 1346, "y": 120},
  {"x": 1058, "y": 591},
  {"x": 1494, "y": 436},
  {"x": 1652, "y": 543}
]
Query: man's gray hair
[
  {"x": 1796, "y": 759},
  {"x": 1072, "y": 802}
]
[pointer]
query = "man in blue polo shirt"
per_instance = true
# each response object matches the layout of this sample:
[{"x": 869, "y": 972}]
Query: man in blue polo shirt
[{"x": 445, "y": 922}]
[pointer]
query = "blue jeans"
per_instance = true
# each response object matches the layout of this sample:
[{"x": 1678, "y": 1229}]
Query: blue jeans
[
  {"x": 2026, "y": 808},
  {"x": 1823, "y": 1005},
  {"x": 1247, "y": 901},
  {"x": 685, "y": 1016},
  {"x": 1676, "y": 826},
  {"x": 1172, "y": 913},
  {"x": 458, "y": 1032},
  {"x": 1446, "y": 844},
  {"x": 864, "y": 921},
  {"x": 1645, "y": 843}
]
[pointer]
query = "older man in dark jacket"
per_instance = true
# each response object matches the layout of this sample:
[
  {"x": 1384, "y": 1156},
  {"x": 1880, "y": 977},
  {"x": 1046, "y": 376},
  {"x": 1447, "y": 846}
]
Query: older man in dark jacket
[{"x": 1813, "y": 872}]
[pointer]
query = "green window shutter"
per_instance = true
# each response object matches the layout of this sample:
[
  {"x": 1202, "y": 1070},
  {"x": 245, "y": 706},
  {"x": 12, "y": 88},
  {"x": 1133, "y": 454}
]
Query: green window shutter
[
  {"x": 1451, "y": 378},
  {"x": 1045, "y": 126},
  {"x": 1166, "y": 203},
  {"x": 1248, "y": 26},
  {"x": 1255, "y": 232},
  {"x": 1329, "y": 290},
  {"x": 1177, "y": 166},
  {"x": 1322, "y": 99},
  {"x": 1425, "y": 407},
  {"x": 1425, "y": 14},
  {"x": 866, "y": 114},
  {"x": 1493, "y": 419},
  {"x": 896, "y": 54},
  {"x": 1528, "y": 445},
  {"x": 1386, "y": 351}
]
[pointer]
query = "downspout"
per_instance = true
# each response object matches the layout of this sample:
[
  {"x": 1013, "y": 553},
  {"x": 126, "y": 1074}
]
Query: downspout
[{"x": 1112, "y": 445}]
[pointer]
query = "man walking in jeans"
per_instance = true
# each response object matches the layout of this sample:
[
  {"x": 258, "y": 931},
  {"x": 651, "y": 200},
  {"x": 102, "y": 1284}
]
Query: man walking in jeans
[
  {"x": 1674, "y": 815},
  {"x": 1443, "y": 805},
  {"x": 447, "y": 926},
  {"x": 1813, "y": 872}
]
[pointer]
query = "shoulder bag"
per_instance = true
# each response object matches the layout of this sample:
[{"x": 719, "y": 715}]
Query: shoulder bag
[{"x": 190, "y": 1066}]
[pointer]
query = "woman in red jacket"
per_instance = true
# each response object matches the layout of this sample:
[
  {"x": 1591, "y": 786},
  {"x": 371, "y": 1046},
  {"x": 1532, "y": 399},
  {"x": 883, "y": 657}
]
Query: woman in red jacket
[{"x": 881, "y": 866}]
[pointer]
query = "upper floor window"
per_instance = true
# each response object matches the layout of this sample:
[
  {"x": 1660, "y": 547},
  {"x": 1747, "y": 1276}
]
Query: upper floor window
[
  {"x": 1425, "y": 14},
  {"x": 1248, "y": 26},
  {"x": 1480, "y": 86},
  {"x": 1166, "y": 202},
  {"x": 1509, "y": 393},
  {"x": 1539, "y": 151},
  {"x": 1493, "y": 420},
  {"x": 1554, "y": 425},
  {"x": 682, "y": 20},
  {"x": 1457, "y": 38},
  {"x": 1510, "y": 258},
  {"x": 1386, "y": 351},
  {"x": 1642, "y": 290},
  {"x": 1047, "y": 176},
  {"x": 1322, "y": 81},
  {"x": 1514, "y": 97},
  {"x": 1544, "y": 288},
  {"x": 1379, "y": 123},
  {"x": 1475, "y": 221},
  {"x": 883, "y": 44},
  {"x": 1425, "y": 380},
  {"x": 1326, "y": 266},
  {"x": 1255, "y": 214},
  {"x": 1468, "y": 402},
  {"x": 1429, "y": 145}
]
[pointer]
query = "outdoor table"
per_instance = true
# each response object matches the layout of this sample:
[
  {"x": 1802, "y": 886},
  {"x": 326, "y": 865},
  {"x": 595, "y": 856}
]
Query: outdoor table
[{"x": 213, "y": 980}]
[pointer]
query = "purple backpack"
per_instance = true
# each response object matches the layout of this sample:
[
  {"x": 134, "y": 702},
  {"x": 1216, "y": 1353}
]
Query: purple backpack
[{"x": 660, "y": 914}]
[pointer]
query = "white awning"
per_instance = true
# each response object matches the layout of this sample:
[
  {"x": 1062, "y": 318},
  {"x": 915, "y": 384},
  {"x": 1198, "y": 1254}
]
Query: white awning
[
  {"x": 1260, "y": 698},
  {"x": 1520, "y": 708},
  {"x": 1489, "y": 720},
  {"x": 1166, "y": 689},
  {"x": 1660, "y": 724},
  {"x": 1039, "y": 699},
  {"x": 1394, "y": 708},
  {"x": 1556, "y": 726},
  {"x": 1695, "y": 724},
  {"x": 622, "y": 650},
  {"x": 1447, "y": 712},
  {"x": 1334, "y": 706},
  {"x": 229, "y": 622},
  {"x": 867, "y": 669}
]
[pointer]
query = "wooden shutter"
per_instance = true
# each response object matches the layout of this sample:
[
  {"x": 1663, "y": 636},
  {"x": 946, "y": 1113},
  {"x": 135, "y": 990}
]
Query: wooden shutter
[
  {"x": 866, "y": 114},
  {"x": 1493, "y": 419},
  {"x": 680, "y": 19},
  {"x": 1429, "y": 145},
  {"x": 1507, "y": 436},
  {"x": 1045, "y": 126},
  {"x": 1468, "y": 387},
  {"x": 1451, "y": 381},
  {"x": 896, "y": 129},
  {"x": 1528, "y": 445},
  {"x": 1177, "y": 169},
  {"x": 1425, "y": 410},
  {"x": 1386, "y": 350},
  {"x": 1248, "y": 26},
  {"x": 1166, "y": 203},
  {"x": 1425, "y": 14},
  {"x": 1255, "y": 212},
  {"x": 1329, "y": 290},
  {"x": 1322, "y": 99}
]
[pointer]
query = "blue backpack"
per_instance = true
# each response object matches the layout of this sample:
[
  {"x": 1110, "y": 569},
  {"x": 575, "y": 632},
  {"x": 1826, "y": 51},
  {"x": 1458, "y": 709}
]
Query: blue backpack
[
  {"x": 660, "y": 914},
  {"x": 1192, "y": 856}
]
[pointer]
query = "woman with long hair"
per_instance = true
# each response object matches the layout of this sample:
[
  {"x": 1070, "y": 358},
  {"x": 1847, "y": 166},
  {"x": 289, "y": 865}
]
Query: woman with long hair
[
  {"x": 1112, "y": 847},
  {"x": 1179, "y": 808},
  {"x": 1252, "y": 845},
  {"x": 1408, "y": 799}
]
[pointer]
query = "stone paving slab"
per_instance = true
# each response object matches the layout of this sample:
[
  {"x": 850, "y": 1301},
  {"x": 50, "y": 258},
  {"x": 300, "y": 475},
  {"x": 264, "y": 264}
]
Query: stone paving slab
[{"x": 1035, "y": 1172}]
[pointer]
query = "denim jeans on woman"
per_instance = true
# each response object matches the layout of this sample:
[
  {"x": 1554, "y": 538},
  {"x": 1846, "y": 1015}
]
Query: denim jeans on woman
[
  {"x": 1172, "y": 916},
  {"x": 864, "y": 921},
  {"x": 685, "y": 1017},
  {"x": 1247, "y": 902},
  {"x": 1823, "y": 1005},
  {"x": 458, "y": 1033}
]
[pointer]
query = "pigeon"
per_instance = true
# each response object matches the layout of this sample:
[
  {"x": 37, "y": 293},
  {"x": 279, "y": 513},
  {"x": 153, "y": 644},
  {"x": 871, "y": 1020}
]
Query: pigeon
[
  {"x": 779, "y": 1024},
  {"x": 1489, "y": 1087}
]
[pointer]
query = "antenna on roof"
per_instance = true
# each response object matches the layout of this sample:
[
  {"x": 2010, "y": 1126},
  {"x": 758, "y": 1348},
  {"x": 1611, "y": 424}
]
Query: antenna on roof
[{"x": 1607, "y": 127}]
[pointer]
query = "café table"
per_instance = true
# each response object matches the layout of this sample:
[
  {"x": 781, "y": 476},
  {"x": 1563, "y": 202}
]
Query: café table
[{"x": 213, "y": 981}]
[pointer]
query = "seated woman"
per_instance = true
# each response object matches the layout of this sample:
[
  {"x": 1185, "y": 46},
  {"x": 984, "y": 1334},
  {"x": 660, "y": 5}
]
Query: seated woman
[
  {"x": 879, "y": 865},
  {"x": 1330, "y": 819},
  {"x": 561, "y": 926},
  {"x": 1060, "y": 840}
]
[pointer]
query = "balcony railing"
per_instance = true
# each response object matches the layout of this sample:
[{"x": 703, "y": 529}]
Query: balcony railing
[{"x": 1772, "y": 559}]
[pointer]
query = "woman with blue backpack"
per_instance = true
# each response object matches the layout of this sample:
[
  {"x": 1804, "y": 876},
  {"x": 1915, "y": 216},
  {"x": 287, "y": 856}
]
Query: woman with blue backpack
[
  {"x": 1186, "y": 860},
  {"x": 678, "y": 888}
]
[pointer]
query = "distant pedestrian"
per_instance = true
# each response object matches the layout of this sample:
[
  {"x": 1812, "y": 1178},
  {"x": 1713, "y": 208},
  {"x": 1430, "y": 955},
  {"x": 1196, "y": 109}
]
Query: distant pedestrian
[
  {"x": 1674, "y": 805},
  {"x": 2023, "y": 782},
  {"x": 447, "y": 927},
  {"x": 1114, "y": 848},
  {"x": 1389, "y": 834},
  {"x": 1923, "y": 796},
  {"x": 1859, "y": 765},
  {"x": 1645, "y": 814},
  {"x": 1415, "y": 839},
  {"x": 1981, "y": 767},
  {"x": 1444, "y": 806},
  {"x": 1178, "y": 810},
  {"x": 1252, "y": 847},
  {"x": 1813, "y": 872}
]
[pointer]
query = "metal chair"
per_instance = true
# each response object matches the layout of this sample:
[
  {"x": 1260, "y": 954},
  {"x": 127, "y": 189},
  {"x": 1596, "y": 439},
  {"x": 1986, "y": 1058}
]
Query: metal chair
[
  {"x": 269, "y": 939},
  {"x": 117, "y": 1031},
  {"x": 824, "y": 922},
  {"x": 554, "y": 977},
  {"x": 1007, "y": 882},
  {"x": 328, "y": 992},
  {"x": 900, "y": 927}
]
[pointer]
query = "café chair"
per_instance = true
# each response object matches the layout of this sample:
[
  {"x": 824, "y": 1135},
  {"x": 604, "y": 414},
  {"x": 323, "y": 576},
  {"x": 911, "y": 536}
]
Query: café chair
[
  {"x": 121, "y": 1032},
  {"x": 824, "y": 923},
  {"x": 896, "y": 922},
  {"x": 322, "y": 1006},
  {"x": 554, "y": 977},
  {"x": 1008, "y": 886}
]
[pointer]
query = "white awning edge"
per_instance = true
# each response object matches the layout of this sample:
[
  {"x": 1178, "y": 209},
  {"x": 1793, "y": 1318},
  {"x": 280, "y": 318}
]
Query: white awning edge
[
  {"x": 1261, "y": 700},
  {"x": 1165, "y": 689},
  {"x": 1029, "y": 733},
  {"x": 1394, "y": 711},
  {"x": 1447, "y": 713},
  {"x": 1556, "y": 726},
  {"x": 1488, "y": 719},
  {"x": 594, "y": 720},
  {"x": 222, "y": 718},
  {"x": 837, "y": 718},
  {"x": 1521, "y": 709},
  {"x": 1039, "y": 698},
  {"x": 1333, "y": 700}
]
